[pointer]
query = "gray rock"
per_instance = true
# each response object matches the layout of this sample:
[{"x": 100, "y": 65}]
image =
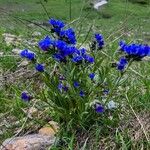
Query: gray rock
[
  {"x": 35, "y": 34},
  {"x": 99, "y": 3},
  {"x": 16, "y": 51},
  {"x": 28, "y": 142}
]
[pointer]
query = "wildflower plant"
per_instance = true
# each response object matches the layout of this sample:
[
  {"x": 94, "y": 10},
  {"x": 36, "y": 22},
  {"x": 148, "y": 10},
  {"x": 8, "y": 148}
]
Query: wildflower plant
[{"x": 79, "y": 84}]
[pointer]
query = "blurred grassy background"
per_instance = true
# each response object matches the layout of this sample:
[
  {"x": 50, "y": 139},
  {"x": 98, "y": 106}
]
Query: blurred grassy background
[{"x": 109, "y": 18}]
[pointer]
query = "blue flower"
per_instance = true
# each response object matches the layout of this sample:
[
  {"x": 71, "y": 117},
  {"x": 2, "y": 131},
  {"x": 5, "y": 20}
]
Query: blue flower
[
  {"x": 76, "y": 84},
  {"x": 135, "y": 51},
  {"x": 46, "y": 44},
  {"x": 62, "y": 87},
  {"x": 99, "y": 40},
  {"x": 82, "y": 93},
  {"x": 122, "y": 44},
  {"x": 99, "y": 108},
  {"x": 67, "y": 51},
  {"x": 70, "y": 50},
  {"x": 57, "y": 25},
  {"x": 61, "y": 77},
  {"x": 83, "y": 51},
  {"x": 24, "y": 53},
  {"x": 77, "y": 59},
  {"x": 60, "y": 45},
  {"x": 25, "y": 96},
  {"x": 91, "y": 76},
  {"x": 68, "y": 36},
  {"x": 88, "y": 58},
  {"x": 63, "y": 51},
  {"x": 39, "y": 67},
  {"x": 80, "y": 55},
  {"x": 65, "y": 88},
  {"x": 27, "y": 54},
  {"x": 106, "y": 91},
  {"x": 58, "y": 57},
  {"x": 122, "y": 64}
]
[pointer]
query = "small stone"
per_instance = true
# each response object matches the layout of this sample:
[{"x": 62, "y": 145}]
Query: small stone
[
  {"x": 32, "y": 112},
  {"x": 11, "y": 39},
  {"x": 99, "y": 4},
  {"x": 8, "y": 35},
  {"x": 23, "y": 63},
  {"x": 16, "y": 51},
  {"x": 112, "y": 105},
  {"x": 51, "y": 129},
  {"x": 147, "y": 58},
  {"x": 54, "y": 124},
  {"x": 35, "y": 34},
  {"x": 29, "y": 142}
]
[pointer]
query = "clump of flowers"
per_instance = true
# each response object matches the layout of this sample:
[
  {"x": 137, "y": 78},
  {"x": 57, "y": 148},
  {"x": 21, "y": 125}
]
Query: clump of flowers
[
  {"x": 57, "y": 25},
  {"x": 72, "y": 76},
  {"x": 46, "y": 44},
  {"x": 134, "y": 51},
  {"x": 122, "y": 64},
  {"x": 98, "y": 42}
]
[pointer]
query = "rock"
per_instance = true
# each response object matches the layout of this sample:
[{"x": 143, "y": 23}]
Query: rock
[
  {"x": 47, "y": 131},
  {"x": 35, "y": 34},
  {"x": 54, "y": 124},
  {"x": 31, "y": 43},
  {"x": 23, "y": 63},
  {"x": 112, "y": 105},
  {"x": 52, "y": 129},
  {"x": 16, "y": 51},
  {"x": 99, "y": 3},
  {"x": 29, "y": 142},
  {"x": 11, "y": 39},
  {"x": 33, "y": 111},
  {"x": 9, "y": 35},
  {"x": 147, "y": 58}
]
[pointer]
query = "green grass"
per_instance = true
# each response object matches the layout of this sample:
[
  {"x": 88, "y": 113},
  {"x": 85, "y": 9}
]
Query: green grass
[
  {"x": 113, "y": 21},
  {"x": 136, "y": 16}
]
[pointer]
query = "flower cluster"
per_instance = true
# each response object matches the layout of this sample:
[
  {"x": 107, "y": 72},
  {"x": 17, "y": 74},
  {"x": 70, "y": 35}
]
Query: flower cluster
[
  {"x": 27, "y": 54},
  {"x": 61, "y": 47},
  {"x": 46, "y": 43},
  {"x": 134, "y": 51},
  {"x": 67, "y": 35},
  {"x": 99, "y": 40},
  {"x": 57, "y": 25},
  {"x": 122, "y": 64},
  {"x": 80, "y": 55},
  {"x": 75, "y": 83}
]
